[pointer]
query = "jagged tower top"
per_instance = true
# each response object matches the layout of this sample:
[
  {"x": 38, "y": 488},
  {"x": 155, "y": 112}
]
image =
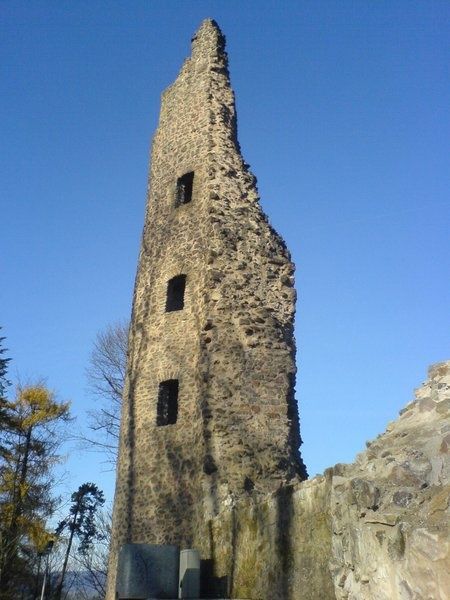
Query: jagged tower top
[
  {"x": 208, "y": 51},
  {"x": 202, "y": 88},
  {"x": 208, "y": 40}
]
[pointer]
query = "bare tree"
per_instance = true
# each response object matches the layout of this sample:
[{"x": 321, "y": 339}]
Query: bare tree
[{"x": 106, "y": 376}]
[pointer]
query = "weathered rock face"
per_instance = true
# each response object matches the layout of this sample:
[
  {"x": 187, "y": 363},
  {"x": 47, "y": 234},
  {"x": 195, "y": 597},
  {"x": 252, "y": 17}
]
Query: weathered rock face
[
  {"x": 390, "y": 509},
  {"x": 377, "y": 529},
  {"x": 209, "y": 412}
]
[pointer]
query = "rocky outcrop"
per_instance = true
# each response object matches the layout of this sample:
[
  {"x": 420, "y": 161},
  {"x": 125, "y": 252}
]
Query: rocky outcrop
[
  {"x": 390, "y": 509},
  {"x": 377, "y": 529}
]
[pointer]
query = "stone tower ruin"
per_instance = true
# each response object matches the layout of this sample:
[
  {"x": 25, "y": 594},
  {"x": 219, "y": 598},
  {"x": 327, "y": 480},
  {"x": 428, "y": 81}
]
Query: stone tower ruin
[{"x": 209, "y": 413}]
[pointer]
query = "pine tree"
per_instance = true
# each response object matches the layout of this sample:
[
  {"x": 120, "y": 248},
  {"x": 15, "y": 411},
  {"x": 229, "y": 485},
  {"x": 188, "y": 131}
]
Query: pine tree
[{"x": 80, "y": 523}]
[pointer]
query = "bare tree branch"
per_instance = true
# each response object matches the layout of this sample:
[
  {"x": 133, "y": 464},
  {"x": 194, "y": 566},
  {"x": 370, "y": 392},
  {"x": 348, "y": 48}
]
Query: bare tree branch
[{"x": 105, "y": 377}]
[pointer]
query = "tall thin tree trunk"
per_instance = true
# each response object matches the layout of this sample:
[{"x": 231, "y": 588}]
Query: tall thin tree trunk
[
  {"x": 66, "y": 557},
  {"x": 11, "y": 541},
  {"x": 38, "y": 575},
  {"x": 22, "y": 480}
]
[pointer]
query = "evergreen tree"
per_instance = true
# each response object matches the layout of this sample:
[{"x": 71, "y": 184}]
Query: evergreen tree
[
  {"x": 3, "y": 370},
  {"x": 28, "y": 444},
  {"x": 4, "y": 383},
  {"x": 80, "y": 523}
]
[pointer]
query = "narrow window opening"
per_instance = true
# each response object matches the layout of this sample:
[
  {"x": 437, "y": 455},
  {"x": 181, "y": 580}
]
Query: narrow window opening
[
  {"x": 167, "y": 408},
  {"x": 184, "y": 188},
  {"x": 175, "y": 293}
]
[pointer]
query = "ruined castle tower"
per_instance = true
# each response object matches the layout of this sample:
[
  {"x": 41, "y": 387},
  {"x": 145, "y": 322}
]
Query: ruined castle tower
[{"x": 209, "y": 413}]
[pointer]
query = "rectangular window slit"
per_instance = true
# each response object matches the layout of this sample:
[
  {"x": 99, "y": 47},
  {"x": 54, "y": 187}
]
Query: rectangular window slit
[
  {"x": 167, "y": 407},
  {"x": 184, "y": 188},
  {"x": 175, "y": 293}
]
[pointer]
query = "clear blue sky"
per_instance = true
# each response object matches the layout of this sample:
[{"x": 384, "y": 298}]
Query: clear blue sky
[{"x": 343, "y": 116}]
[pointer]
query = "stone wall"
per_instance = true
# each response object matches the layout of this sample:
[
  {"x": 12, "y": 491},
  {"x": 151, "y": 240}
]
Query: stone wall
[
  {"x": 377, "y": 529},
  {"x": 226, "y": 477},
  {"x": 231, "y": 348}
]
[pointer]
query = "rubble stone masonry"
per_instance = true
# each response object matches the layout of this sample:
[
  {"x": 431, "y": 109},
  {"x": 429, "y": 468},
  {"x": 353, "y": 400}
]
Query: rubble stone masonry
[
  {"x": 376, "y": 529},
  {"x": 209, "y": 439},
  {"x": 227, "y": 351}
]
